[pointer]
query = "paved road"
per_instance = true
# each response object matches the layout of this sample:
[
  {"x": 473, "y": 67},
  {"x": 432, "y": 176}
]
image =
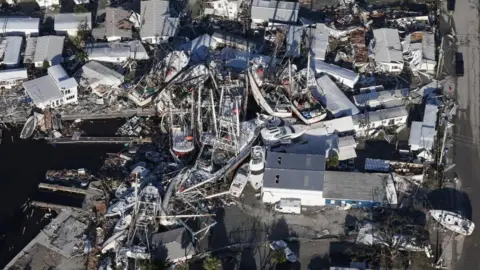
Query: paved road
[{"x": 467, "y": 146}]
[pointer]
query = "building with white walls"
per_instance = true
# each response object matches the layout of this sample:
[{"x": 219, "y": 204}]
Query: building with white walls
[
  {"x": 384, "y": 118},
  {"x": 388, "y": 50},
  {"x": 69, "y": 23},
  {"x": 289, "y": 175},
  {"x": 222, "y": 8},
  {"x": 13, "y": 77},
  {"x": 53, "y": 90},
  {"x": 44, "y": 48}
]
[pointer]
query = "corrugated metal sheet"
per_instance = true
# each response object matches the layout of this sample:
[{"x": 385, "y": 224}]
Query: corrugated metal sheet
[
  {"x": 156, "y": 20},
  {"x": 13, "y": 74},
  {"x": 355, "y": 186},
  {"x": 387, "y": 45},
  {"x": 49, "y": 48},
  {"x": 112, "y": 17},
  {"x": 12, "y": 50},
  {"x": 274, "y": 10},
  {"x": 71, "y": 21},
  {"x": 320, "y": 41},
  {"x": 19, "y": 25},
  {"x": 342, "y": 75},
  {"x": 334, "y": 99},
  {"x": 378, "y": 165}
]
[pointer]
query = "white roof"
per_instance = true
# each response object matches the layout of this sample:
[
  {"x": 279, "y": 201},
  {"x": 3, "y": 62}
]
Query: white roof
[
  {"x": 12, "y": 50},
  {"x": 98, "y": 74},
  {"x": 343, "y": 75},
  {"x": 374, "y": 98},
  {"x": 71, "y": 21},
  {"x": 320, "y": 36},
  {"x": 430, "y": 115},
  {"x": 13, "y": 74},
  {"x": 45, "y": 48},
  {"x": 156, "y": 20},
  {"x": 111, "y": 52},
  {"x": 19, "y": 25},
  {"x": 338, "y": 125},
  {"x": 334, "y": 99},
  {"x": 274, "y": 10},
  {"x": 48, "y": 88},
  {"x": 387, "y": 45}
]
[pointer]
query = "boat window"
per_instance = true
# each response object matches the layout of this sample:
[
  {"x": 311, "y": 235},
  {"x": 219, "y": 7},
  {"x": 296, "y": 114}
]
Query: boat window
[
  {"x": 277, "y": 177},
  {"x": 279, "y": 160}
]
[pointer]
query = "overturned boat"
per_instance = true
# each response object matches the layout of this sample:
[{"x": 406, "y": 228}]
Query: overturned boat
[
  {"x": 453, "y": 221},
  {"x": 28, "y": 128}
]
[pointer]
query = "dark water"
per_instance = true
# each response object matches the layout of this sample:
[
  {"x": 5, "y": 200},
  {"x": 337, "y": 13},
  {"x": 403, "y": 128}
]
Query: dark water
[{"x": 23, "y": 164}]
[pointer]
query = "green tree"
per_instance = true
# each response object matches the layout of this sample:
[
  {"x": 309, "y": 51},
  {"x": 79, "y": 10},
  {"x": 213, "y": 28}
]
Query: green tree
[
  {"x": 212, "y": 263},
  {"x": 333, "y": 162},
  {"x": 183, "y": 266},
  {"x": 278, "y": 257},
  {"x": 80, "y": 8},
  {"x": 46, "y": 64}
]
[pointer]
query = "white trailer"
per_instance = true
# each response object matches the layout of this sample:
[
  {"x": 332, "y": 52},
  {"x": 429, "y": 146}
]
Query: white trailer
[{"x": 289, "y": 206}]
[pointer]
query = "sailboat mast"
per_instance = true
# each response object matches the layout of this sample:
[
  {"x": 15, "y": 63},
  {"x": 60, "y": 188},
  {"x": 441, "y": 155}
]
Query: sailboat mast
[{"x": 213, "y": 112}]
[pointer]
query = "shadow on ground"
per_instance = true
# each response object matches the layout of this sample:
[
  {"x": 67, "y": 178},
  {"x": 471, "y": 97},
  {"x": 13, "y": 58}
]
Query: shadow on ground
[{"x": 450, "y": 199}]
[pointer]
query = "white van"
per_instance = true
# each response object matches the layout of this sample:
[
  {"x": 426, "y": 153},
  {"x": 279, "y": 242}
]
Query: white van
[{"x": 289, "y": 206}]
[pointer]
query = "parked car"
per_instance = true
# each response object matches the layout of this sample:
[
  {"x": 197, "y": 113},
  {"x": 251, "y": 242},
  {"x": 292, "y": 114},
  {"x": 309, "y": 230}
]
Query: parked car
[
  {"x": 281, "y": 245},
  {"x": 291, "y": 257},
  {"x": 459, "y": 65}
]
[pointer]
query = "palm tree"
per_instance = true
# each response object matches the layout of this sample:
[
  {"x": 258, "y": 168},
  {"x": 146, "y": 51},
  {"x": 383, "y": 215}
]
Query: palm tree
[
  {"x": 212, "y": 263},
  {"x": 278, "y": 257}
]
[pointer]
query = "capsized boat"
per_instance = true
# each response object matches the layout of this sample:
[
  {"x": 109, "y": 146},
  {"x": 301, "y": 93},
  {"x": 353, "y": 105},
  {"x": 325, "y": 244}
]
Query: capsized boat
[
  {"x": 118, "y": 208},
  {"x": 453, "y": 221},
  {"x": 173, "y": 63},
  {"x": 239, "y": 181},
  {"x": 28, "y": 128},
  {"x": 256, "y": 166},
  {"x": 282, "y": 134},
  {"x": 123, "y": 223},
  {"x": 114, "y": 241}
]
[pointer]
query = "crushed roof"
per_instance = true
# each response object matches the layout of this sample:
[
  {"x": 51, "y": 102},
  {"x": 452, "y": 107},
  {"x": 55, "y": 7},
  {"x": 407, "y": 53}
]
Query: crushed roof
[
  {"x": 275, "y": 10},
  {"x": 102, "y": 50},
  {"x": 320, "y": 41},
  {"x": 333, "y": 98},
  {"x": 112, "y": 18}
]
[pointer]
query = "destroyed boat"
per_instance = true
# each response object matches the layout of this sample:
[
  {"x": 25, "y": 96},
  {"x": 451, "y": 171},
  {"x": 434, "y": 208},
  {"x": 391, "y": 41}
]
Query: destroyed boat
[
  {"x": 67, "y": 175},
  {"x": 28, "y": 128},
  {"x": 239, "y": 181},
  {"x": 114, "y": 241},
  {"x": 453, "y": 221},
  {"x": 282, "y": 134},
  {"x": 119, "y": 208},
  {"x": 256, "y": 166},
  {"x": 181, "y": 132},
  {"x": 270, "y": 98},
  {"x": 174, "y": 63},
  {"x": 123, "y": 223},
  {"x": 304, "y": 105}
]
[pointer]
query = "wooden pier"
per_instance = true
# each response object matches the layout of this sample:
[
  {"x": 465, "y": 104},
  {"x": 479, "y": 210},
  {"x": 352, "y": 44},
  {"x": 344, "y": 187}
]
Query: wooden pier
[
  {"x": 103, "y": 140},
  {"x": 112, "y": 115},
  {"x": 52, "y": 187},
  {"x": 53, "y": 206}
]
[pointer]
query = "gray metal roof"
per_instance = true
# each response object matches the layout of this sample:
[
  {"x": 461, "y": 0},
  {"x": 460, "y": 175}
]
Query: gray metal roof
[
  {"x": 334, "y": 99},
  {"x": 96, "y": 73},
  {"x": 342, "y": 75},
  {"x": 156, "y": 20},
  {"x": 112, "y": 18},
  {"x": 294, "y": 171},
  {"x": 378, "y": 165},
  {"x": 15, "y": 74},
  {"x": 421, "y": 137},
  {"x": 12, "y": 50},
  {"x": 71, "y": 21},
  {"x": 320, "y": 41},
  {"x": 430, "y": 115},
  {"x": 19, "y": 24},
  {"x": 173, "y": 244},
  {"x": 374, "y": 98},
  {"x": 380, "y": 115},
  {"x": 294, "y": 40},
  {"x": 355, "y": 186},
  {"x": 387, "y": 45},
  {"x": 275, "y": 10},
  {"x": 133, "y": 49},
  {"x": 42, "y": 90},
  {"x": 49, "y": 48}
]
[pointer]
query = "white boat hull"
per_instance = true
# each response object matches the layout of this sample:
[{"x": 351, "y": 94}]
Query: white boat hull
[
  {"x": 257, "y": 94},
  {"x": 239, "y": 181},
  {"x": 453, "y": 221}
]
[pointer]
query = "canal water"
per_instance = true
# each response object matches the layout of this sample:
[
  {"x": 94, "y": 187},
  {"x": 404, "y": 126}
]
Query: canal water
[{"x": 23, "y": 164}]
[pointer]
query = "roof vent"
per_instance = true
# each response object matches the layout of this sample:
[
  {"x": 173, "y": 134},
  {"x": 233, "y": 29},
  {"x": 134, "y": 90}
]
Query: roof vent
[
  {"x": 279, "y": 160},
  {"x": 277, "y": 177}
]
